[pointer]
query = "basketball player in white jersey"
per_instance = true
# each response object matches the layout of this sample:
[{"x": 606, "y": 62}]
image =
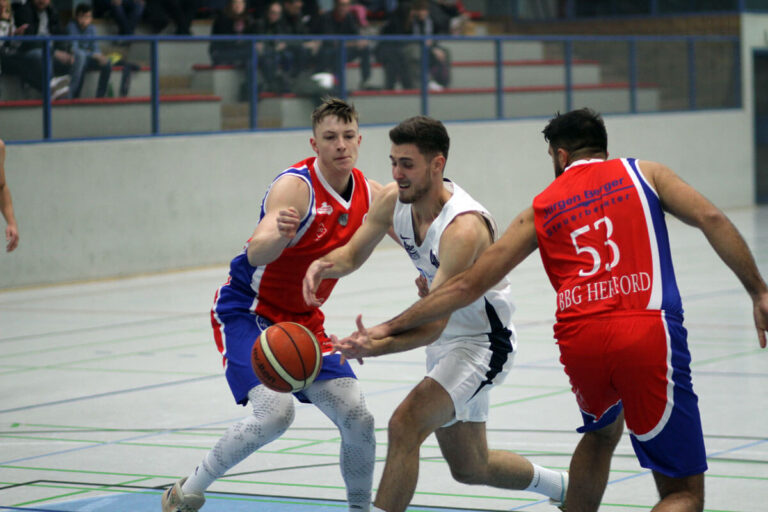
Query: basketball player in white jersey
[{"x": 444, "y": 231}]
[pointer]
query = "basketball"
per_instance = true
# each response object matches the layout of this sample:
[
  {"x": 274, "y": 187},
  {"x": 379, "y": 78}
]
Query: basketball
[{"x": 286, "y": 357}]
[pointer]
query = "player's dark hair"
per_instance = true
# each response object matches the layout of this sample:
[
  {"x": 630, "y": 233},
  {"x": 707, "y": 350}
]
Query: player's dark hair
[
  {"x": 334, "y": 107},
  {"x": 427, "y": 134},
  {"x": 581, "y": 131},
  {"x": 82, "y": 9}
]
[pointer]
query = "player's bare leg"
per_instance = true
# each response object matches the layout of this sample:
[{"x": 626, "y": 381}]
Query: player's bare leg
[
  {"x": 427, "y": 407},
  {"x": 465, "y": 448},
  {"x": 590, "y": 465},
  {"x": 679, "y": 494}
]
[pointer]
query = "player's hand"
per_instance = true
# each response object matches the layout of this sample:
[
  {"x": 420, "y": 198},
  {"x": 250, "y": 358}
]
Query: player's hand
[
  {"x": 761, "y": 318},
  {"x": 312, "y": 280},
  {"x": 357, "y": 345},
  {"x": 288, "y": 222},
  {"x": 11, "y": 238},
  {"x": 422, "y": 285}
]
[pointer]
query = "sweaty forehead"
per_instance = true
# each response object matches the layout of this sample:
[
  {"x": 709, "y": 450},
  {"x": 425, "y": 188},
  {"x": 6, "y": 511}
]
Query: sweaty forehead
[{"x": 409, "y": 150}]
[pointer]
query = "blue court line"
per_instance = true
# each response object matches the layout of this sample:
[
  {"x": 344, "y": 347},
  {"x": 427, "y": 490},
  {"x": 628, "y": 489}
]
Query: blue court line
[
  {"x": 110, "y": 393},
  {"x": 161, "y": 432},
  {"x": 216, "y": 502},
  {"x": 648, "y": 471}
]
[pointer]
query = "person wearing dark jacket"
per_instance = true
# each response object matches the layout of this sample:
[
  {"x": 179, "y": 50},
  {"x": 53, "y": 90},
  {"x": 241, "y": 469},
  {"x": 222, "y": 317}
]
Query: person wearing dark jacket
[
  {"x": 342, "y": 21},
  {"x": 42, "y": 19}
]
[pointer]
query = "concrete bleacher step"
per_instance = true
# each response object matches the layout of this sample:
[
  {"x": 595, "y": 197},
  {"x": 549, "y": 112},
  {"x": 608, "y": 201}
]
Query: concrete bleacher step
[
  {"x": 479, "y": 103},
  {"x": 226, "y": 81},
  {"x": 105, "y": 117}
]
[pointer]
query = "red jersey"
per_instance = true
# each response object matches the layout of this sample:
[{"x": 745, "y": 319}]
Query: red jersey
[
  {"x": 274, "y": 290},
  {"x": 604, "y": 243}
]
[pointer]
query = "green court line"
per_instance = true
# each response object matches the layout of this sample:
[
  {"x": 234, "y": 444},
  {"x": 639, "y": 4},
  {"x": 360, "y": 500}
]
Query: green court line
[
  {"x": 113, "y": 356},
  {"x": 737, "y": 355},
  {"x": 48, "y": 350},
  {"x": 530, "y": 398},
  {"x": 80, "y": 492}
]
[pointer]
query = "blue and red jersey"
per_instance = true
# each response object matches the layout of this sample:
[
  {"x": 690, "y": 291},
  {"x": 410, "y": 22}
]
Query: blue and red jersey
[{"x": 604, "y": 242}]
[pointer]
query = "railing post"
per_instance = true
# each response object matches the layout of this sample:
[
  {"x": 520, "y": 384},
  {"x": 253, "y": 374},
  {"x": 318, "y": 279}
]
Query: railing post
[
  {"x": 154, "y": 62},
  {"x": 342, "y": 69},
  {"x": 691, "y": 73},
  {"x": 499, "y": 80},
  {"x": 569, "y": 75},
  {"x": 253, "y": 90},
  {"x": 633, "y": 75},
  {"x": 46, "y": 88},
  {"x": 424, "y": 77}
]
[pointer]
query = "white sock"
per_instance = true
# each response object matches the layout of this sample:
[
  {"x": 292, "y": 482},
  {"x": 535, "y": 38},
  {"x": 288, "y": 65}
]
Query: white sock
[
  {"x": 377, "y": 509},
  {"x": 547, "y": 482}
]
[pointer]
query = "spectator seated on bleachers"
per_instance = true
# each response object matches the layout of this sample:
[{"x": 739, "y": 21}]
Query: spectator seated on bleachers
[
  {"x": 41, "y": 18},
  {"x": 343, "y": 21},
  {"x": 273, "y": 57},
  {"x": 125, "y": 13},
  {"x": 429, "y": 19},
  {"x": 160, "y": 13},
  {"x": 393, "y": 55},
  {"x": 299, "y": 54},
  {"x": 233, "y": 20},
  {"x": 10, "y": 58},
  {"x": 92, "y": 56}
]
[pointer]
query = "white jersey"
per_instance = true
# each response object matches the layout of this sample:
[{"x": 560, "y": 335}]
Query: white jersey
[{"x": 491, "y": 312}]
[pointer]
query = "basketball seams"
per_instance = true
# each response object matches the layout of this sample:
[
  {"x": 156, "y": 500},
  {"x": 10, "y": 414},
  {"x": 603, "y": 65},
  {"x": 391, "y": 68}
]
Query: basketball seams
[
  {"x": 274, "y": 357},
  {"x": 296, "y": 347}
]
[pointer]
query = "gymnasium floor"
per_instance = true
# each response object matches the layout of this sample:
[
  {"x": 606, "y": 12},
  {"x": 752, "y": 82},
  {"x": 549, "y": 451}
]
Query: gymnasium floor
[{"x": 112, "y": 390}]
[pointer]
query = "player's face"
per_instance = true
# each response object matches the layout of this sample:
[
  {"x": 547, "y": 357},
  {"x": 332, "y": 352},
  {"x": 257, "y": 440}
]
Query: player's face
[
  {"x": 336, "y": 143},
  {"x": 411, "y": 171}
]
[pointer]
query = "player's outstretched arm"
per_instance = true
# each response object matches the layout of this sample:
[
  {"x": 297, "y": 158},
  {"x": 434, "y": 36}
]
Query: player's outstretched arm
[
  {"x": 348, "y": 258},
  {"x": 687, "y": 204},
  {"x": 360, "y": 344},
  {"x": 287, "y": 203},
  {"x": 517, "y": 242}
]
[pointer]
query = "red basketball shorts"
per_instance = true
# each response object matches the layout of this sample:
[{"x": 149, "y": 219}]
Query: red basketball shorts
[{"x": 638, "y": 361}]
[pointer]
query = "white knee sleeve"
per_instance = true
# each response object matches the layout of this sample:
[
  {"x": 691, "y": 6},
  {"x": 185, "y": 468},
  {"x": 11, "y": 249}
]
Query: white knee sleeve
[
  {"x": 272, "y": 414},
  {"x": 343, "y": 402}
]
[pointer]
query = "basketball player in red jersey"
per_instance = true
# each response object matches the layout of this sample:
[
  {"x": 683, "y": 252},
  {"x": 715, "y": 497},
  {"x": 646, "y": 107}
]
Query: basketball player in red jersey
[
  {"x": 309, "y": 209},
  {"x": 603, "y": 241}
]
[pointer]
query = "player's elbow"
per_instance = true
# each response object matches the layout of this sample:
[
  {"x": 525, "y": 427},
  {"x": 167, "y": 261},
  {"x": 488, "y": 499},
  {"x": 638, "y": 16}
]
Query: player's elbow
[{"x": 711, "y": 217}]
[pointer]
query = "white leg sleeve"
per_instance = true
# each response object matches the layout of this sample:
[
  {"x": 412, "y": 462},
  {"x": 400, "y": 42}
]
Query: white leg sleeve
[
  {"x": 343, "y": 402},
  {"x": 272, "y": 414}
]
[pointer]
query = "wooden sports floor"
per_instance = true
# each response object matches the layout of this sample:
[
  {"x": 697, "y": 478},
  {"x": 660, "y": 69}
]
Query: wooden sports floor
[{"x": 112, "y": 390}]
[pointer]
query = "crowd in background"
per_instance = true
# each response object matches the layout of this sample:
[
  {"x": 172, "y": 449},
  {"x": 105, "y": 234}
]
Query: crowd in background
[{"x": 284, "y": 66}]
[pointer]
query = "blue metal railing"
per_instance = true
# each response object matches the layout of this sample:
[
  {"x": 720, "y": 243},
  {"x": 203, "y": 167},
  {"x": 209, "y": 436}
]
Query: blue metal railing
[
  {"x": 568, "y": 44},
  {"x": 579, "y": 9}
]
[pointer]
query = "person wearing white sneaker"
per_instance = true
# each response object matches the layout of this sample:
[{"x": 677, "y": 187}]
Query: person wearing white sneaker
[
  {"x": 309, "y": 209},
  {"x": 443, "y": 230}
]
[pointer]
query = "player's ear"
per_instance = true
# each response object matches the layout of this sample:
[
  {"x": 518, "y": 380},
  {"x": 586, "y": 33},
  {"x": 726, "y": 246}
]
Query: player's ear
[
  {"x": 438, "y": 162},
  {"x": 313, "y": 143}
]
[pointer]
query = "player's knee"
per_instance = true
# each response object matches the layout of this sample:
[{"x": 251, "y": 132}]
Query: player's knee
[
  {"x": 467, "y": 475},
  {"x": 360, "y": 421},
  {"x": 273, "y": 412},
  {"x": 404, "y": 429}
]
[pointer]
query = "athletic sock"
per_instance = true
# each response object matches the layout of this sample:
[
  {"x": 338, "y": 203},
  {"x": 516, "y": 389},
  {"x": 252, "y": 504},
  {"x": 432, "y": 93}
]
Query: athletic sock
[
  {"x": 377, "y": 509},
  {"x": 547, "y": 482}
]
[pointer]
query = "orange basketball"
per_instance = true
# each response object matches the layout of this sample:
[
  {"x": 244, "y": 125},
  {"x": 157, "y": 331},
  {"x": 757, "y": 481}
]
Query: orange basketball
[{"x": 286, "y": 357}]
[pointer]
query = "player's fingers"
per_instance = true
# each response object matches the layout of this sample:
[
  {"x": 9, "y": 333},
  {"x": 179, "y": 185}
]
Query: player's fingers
[
  {"x": 360, "y": 360},
  {"x": 359, "y": 322},
  {"x": 761, "y": 337}
]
